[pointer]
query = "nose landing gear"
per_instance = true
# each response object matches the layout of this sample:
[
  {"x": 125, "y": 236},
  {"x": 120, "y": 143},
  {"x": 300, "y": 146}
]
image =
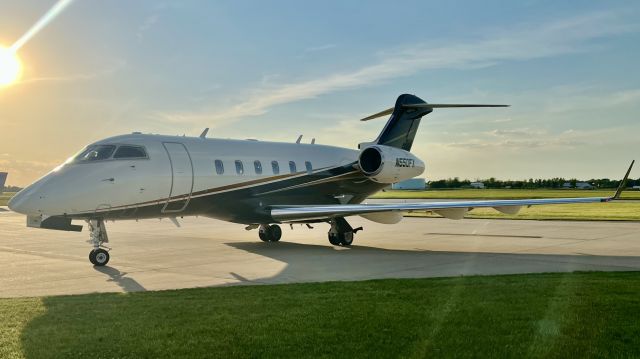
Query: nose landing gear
[{"x": 98, "y": 235}]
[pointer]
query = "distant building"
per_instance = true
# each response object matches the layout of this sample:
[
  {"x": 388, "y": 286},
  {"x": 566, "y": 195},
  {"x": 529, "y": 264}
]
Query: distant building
[
  {"x": 579, "y": 185},
  {"x": 410, "y": 184},
  {"x": 584, "y": 185},
  {"x": 477, "y": 185},
  {"x": 636, "y": 187},
  {"x": 3, "y": 178}
]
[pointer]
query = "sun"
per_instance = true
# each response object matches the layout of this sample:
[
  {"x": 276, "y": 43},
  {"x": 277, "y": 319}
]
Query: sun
[{"x": 10, "y": 67}]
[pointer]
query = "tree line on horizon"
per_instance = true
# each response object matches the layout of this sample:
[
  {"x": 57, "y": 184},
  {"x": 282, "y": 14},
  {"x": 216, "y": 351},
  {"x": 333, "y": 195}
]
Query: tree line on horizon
[
  {"x": 531, "y": 183},
  {"x": 456, "y": 182}
]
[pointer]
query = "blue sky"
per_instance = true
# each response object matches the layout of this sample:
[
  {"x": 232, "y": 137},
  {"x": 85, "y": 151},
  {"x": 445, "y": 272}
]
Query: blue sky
[{"x": 274, "y": 70}]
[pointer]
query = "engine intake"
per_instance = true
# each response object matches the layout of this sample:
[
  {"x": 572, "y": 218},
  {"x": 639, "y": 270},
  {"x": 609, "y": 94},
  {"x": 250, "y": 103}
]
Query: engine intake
[
  {"x": 371, "y": 161},
  {"x": 385, "y": 164}
]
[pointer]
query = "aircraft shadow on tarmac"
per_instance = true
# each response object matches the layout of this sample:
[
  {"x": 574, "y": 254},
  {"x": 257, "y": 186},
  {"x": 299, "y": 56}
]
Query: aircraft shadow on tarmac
[
  {"x": 308, "y": 263},
  {"x": 127, "y": 284}
]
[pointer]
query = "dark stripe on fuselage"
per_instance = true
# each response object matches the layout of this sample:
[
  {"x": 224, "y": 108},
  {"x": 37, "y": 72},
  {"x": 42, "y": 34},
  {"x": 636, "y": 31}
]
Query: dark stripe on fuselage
[{"x": 248, "y": 202}]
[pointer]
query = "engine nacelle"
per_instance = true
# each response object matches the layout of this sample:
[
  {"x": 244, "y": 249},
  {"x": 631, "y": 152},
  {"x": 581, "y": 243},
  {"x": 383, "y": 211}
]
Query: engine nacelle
[{"x": 385, "y": 164}]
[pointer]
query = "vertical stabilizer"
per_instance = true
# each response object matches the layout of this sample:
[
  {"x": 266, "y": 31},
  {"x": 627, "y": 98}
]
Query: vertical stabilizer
[{"x": 401, "y": 128}]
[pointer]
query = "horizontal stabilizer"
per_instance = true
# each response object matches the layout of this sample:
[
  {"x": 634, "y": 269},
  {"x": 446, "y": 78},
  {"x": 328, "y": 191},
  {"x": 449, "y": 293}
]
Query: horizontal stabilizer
[
  {"x": 448, "y": 105},
  {"x": 428, "y": 106}
]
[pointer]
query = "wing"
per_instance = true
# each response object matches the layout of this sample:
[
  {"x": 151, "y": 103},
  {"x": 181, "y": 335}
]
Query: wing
[{"x": 452, "y": 210}]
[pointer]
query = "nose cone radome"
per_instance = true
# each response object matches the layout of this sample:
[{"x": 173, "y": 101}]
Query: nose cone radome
[
  {"x": 30, "y": 200},
  {"x": 16, "y": 203},
  {"x": 23, "y": 203}
]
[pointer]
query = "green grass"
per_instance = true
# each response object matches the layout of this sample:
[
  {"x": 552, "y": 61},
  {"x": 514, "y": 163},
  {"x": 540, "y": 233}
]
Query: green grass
[
  {"x": 541, "y": 315},
  {"x": 503, "y": 194},
  {"x": 612, "y": 211},
  {"x": 5, "y": 197}
]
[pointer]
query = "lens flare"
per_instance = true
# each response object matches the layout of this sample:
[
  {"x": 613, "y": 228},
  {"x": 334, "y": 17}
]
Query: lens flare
[
  {"x": 41, "y": 23},
  {"x": 10, "y": 67}
]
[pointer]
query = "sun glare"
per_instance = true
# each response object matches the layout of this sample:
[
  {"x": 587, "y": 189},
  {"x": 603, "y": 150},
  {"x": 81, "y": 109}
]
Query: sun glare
[{"x": 10, "y": 67}]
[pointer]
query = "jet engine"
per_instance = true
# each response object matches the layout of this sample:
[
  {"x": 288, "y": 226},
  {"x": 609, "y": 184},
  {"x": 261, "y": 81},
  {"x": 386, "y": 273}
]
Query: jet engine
[{"x": 385, "y": 164}]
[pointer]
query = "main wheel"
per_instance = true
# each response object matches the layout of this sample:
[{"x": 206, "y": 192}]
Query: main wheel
[
  {"x": 264, "y": 235},
  {"x": 99, "y": 257},
  {"x": 346, "y": 238},
  {"x": 275, "y": 233},
  {"x": 334, "y": 239}
]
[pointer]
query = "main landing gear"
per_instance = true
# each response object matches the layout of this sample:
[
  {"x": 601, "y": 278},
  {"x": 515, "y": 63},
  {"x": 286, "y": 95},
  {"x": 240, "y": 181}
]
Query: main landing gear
[
  {"x": 341, "y": 232},
  {"x": 270, "y": 233},
  {"x": 98, "y": 234}
]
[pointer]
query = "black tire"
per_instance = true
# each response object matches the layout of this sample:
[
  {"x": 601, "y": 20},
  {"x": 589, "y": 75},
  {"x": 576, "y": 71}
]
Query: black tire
[
  {"x": 100, "y": 257},
  {"x": 346, "y": 238},
  {"x": 275, "y": 233},
  {"x": 264, "y": 235},
  {"x": 92, "y": 257},
  {"x": 334, "y": 239}
]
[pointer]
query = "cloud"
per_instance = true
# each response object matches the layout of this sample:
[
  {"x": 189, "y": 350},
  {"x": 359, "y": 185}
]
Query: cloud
[
  {"x": 521, "y": 132},
  {"x": 21, "y": 172},
  {"x": 527, "y": 139},
  {"x": 115, "y": 66},
  {"x": 572, "y": 35},
  {"x": 146, "y": 25},
  {"x": 320, "y": 48}
]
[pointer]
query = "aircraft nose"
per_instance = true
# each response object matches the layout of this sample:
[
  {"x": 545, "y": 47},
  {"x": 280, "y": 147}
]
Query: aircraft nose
[
  {"x": 16, "y": 203},
  {"x": 25, "y": 201}
]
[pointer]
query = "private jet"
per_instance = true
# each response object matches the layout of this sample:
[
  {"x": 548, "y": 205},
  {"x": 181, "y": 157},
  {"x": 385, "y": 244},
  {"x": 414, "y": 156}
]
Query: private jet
[{"x": 256, "y": 183}]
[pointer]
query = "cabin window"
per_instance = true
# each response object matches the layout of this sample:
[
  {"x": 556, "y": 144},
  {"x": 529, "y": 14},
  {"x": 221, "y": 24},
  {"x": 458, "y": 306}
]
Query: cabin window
[
  {"x": 219, "y": 167},
  {"x": 275, "y": 167},
  {"x": 258, "y": 167},
  {"x": 239, "y": 167},
  {"x": 292, "y": 167},
  {"x": 130, "y": 152},
  {"x": 307, "y": 164},
  {"x": 96, "y": 153}
]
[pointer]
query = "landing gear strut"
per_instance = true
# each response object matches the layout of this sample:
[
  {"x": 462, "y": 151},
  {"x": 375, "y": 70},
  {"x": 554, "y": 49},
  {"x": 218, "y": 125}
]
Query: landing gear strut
[
  {"x": 270, "y": 233},
  {"x": 341, "y": 232},
  {"x": 98, "y": 235}
]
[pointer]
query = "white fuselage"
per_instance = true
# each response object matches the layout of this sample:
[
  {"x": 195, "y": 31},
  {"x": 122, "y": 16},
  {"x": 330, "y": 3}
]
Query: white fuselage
[{"x": 175, "y": 170}]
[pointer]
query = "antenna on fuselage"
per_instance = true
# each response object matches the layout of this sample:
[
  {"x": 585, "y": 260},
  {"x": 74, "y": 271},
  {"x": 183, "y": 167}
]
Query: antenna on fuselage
[
  {"x": 299, "y": 139},
  {"x": 204, "y": 133}
]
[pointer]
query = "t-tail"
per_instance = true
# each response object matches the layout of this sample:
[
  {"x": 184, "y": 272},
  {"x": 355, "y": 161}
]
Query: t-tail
[{"x": 402, "y": 126}]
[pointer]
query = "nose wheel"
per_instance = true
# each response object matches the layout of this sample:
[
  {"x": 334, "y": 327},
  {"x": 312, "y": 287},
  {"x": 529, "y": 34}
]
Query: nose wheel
[
  {"x": 98, "y": 236},
  {"x": 99, "y": 257}
]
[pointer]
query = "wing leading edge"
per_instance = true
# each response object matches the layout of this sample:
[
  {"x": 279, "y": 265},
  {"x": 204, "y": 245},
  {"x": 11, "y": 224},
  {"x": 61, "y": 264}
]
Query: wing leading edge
[{"x": 453, "y": 209}]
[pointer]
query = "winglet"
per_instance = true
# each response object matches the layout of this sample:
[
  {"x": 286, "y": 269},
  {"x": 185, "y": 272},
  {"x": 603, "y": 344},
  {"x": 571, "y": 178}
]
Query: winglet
[
  {"x": 204, "y": 133},
  {"x": 623, "y": 183}
]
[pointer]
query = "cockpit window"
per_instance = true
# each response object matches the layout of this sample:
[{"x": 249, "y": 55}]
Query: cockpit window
[
  {"x": 130, "y": 152},
  {"x": 95, "y": 153}
]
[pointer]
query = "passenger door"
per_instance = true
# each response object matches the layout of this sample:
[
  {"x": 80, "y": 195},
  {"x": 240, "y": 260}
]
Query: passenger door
[{"x": 181, "y": 177}]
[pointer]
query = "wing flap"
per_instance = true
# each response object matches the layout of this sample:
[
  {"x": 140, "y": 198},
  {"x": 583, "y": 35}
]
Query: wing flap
[
  {"x": 452, "y": 213},
  {"x": 508, "y": 209}
]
